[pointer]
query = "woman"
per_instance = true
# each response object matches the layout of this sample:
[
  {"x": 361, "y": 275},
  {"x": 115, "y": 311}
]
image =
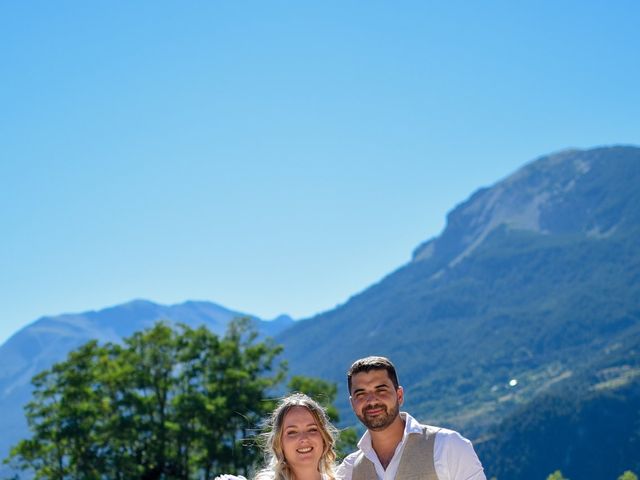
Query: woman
[{"x": 300, "y": 442}]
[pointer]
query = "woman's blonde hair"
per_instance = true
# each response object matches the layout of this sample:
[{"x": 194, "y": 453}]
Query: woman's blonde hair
[{"x": 278, "y": 468}]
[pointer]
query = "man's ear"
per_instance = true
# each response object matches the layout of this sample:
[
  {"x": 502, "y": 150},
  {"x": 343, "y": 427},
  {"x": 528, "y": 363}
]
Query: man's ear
[{"x": 400, "y": 393}]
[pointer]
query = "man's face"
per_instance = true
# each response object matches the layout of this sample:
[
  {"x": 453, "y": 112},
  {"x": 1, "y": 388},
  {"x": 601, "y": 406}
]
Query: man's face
[{"x": 374, "y": 399}]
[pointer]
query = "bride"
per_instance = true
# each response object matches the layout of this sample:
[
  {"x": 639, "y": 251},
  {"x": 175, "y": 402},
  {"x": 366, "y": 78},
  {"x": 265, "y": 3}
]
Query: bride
[{"x": 300, "y": 442}]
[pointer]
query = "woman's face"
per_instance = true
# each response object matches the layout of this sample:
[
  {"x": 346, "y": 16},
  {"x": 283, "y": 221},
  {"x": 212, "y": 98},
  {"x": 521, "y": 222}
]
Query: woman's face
[{"x": 302, "y": 442}]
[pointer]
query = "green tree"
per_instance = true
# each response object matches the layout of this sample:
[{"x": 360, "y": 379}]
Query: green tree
[
  {"x": 166, "y": 404},
  {"x": 321, "y": 391},
  {"x": 239, "y": 376},
  {"x": 65, "y": 417},
  {"x": 628, "y": 475},
  {"x": 199, "y": 407},
  {"x": 557, "y": 475},
  {"x": 152, "y": 383}
]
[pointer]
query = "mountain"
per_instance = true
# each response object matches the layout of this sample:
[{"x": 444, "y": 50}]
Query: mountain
[
  {"x": 533, "y": 281},
  {"x": 49, "y": 339},
  {"x": 519, "y": 325},
  {"x": 590, "y": 428}
]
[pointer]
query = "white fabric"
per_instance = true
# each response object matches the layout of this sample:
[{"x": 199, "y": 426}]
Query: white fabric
[{"x": 453, "y": 455}]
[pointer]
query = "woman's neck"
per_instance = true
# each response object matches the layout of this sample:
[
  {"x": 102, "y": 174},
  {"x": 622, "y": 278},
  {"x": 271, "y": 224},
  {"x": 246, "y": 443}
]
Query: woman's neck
[{"x": 306, "y": 474}]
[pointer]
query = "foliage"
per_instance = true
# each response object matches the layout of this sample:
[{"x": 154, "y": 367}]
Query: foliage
[
  {"x": 557, "y": 475},
  {"x": 557, "y": 431},
  {"x": 321, "y": 391},
  {"x": 628, "y": 475},
  {"x": 166, "y": 404}
]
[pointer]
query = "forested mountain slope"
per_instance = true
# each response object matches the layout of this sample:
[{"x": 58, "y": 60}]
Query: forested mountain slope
[{"x": 531, "y": 280}]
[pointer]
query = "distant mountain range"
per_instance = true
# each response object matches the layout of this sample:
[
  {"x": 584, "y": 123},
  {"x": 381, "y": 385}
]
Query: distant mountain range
[
  {"x": 49, "y": 339},
  {"x": 518, "y": 325}
]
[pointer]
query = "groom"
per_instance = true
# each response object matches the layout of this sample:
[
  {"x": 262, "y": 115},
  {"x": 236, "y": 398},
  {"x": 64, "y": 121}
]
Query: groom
[{"x": 395, "y": 445}]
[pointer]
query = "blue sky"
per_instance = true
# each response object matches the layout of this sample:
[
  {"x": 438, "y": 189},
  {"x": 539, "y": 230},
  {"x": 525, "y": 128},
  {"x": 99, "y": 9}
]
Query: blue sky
[{"x": 277, "y": 157}]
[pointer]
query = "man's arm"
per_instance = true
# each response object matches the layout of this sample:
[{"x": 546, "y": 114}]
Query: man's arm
[
  {"x": 455, "y": 458},
  {"x": 345, "y": 469}
]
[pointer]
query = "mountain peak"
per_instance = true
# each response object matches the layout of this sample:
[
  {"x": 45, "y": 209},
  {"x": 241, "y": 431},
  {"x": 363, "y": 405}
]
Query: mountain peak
[{"x": 554, "y": 194}]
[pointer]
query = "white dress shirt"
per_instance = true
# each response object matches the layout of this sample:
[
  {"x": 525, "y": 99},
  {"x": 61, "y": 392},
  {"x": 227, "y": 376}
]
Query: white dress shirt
[{"x": 453, "y": 455}]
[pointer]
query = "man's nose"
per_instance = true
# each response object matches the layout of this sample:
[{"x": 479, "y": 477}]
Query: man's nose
[{"x": 370, "y": 397}]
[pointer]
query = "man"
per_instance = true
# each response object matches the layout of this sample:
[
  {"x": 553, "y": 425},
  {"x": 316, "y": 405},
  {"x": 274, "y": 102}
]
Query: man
[{"x": 395, "y": 445}]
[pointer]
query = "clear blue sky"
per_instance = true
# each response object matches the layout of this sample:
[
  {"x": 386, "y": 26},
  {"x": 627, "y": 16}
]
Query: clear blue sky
[{"x": 277, "y": 157}]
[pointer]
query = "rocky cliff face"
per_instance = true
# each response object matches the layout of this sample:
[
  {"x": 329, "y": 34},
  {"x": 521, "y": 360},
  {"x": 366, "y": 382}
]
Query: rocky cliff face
[{"x": 572, "y": 191}]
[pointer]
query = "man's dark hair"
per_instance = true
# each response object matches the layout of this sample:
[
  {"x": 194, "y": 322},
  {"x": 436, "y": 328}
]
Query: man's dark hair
[{"x": 373, "y": 363}]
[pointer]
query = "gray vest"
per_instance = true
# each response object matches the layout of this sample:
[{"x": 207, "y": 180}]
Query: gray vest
[{"x": 416, "y": 462}]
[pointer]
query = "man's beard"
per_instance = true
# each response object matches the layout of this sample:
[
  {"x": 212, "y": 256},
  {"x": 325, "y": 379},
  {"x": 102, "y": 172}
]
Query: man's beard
[{"x": 381, "y": 421}]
